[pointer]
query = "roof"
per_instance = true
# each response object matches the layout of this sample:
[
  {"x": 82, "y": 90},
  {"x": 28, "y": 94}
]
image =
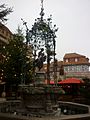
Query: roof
[
  {"x": 82, "y": 60},
  {"x": 72, "y": 55}
]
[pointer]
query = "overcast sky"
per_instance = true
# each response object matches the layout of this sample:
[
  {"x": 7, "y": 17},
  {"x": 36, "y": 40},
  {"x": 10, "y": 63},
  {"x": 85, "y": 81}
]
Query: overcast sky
[{"x": 72, "y": 17}]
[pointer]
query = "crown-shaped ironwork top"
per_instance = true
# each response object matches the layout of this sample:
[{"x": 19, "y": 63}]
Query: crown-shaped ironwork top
[{"x": 42, "y": 10}]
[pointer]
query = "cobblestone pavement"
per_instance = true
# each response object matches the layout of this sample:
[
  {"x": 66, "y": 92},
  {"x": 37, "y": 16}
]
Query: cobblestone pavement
[{"x": 62, "y": 117}]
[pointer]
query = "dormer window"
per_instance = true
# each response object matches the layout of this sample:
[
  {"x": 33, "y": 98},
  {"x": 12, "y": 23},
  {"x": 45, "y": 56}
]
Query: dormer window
[
  {"x": 76, "y": 60},
  {"x": 66, "y": 60}
]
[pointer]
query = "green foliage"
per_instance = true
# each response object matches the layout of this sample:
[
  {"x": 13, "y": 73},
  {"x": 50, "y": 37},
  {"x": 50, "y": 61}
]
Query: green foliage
[
  {"x": 17, "y": 67},
  {"x": 4, "y": 11}
]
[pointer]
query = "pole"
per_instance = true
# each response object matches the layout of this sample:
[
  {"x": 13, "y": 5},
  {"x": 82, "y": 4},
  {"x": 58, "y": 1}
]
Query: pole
[{"x": 48, "y": 66}]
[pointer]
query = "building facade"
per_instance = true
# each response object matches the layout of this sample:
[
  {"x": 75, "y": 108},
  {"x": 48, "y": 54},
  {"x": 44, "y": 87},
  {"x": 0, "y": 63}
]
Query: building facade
[
  {"x": 76, "y": 65},
  {"x": 73, "y": 65},
  {"x": 5, "y": 36}
]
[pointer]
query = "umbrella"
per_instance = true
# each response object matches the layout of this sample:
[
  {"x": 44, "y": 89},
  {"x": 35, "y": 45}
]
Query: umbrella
[{"x": 71, "y": 80}]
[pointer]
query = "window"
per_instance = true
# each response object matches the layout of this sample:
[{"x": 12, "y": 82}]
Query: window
[
  {"x": 66, "y": 69},
  {"x": 76, "y": 60},
  {"x": 66, "y": 60}
]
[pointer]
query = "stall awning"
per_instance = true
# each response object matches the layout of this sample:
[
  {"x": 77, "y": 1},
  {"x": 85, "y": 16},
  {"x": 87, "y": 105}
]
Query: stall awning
[{"x": 71, "y": 81}]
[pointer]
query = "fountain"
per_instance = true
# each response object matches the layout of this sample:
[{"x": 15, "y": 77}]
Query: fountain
[{"x": 41, "y": 99}]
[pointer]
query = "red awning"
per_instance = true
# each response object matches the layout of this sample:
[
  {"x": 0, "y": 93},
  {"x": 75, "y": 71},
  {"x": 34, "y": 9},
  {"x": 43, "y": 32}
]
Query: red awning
[
  {"x": 70, "y": 81},
  {"x": 51, "y": 81}
]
